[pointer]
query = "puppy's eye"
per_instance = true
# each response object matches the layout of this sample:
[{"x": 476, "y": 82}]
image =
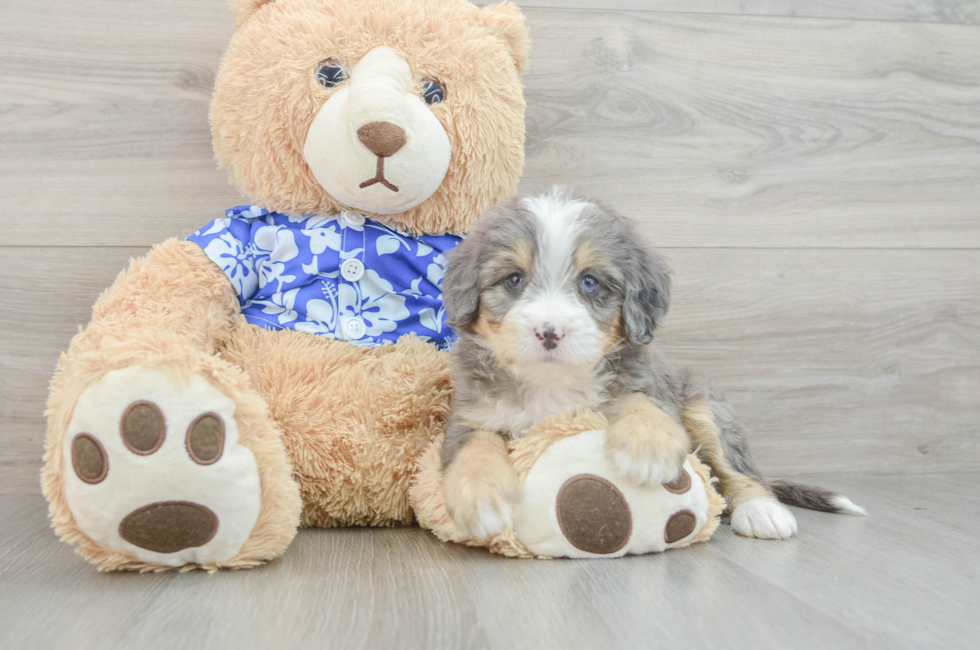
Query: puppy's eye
[
  {"x": 514, "y": 282},
  {"x": 331, "y": 73},
  {"x": 589, "y": 284},
  {"x": 432, "y": 92}
]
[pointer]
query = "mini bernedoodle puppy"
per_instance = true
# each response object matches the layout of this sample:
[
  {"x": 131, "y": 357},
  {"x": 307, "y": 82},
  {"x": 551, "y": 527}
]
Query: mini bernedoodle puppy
[{"x": 555, "y": 299}]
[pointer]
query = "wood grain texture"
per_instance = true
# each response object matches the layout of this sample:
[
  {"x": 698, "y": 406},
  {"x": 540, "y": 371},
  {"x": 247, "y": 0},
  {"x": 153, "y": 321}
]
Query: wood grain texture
[
  {"x": 930, "y": 11},
  {"x": 837, "y": 360},
  {"x": 729, "y": 130},
  {"x": 901, "y": 578}
]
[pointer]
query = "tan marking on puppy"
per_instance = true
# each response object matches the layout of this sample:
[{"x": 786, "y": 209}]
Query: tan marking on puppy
[
  {"x": 612, "y": 335},
  {"x": 737, "y": 488},
  {"x": 522, "y": 254},
  {"x": 502, "y": 338},
  {"x": 481, "y": 486},
  {"x": 647, "y": 444},
  {"x": 585, "y": 256}
]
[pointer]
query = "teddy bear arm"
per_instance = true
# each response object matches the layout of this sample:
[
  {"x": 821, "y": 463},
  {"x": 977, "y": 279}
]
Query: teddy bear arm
[{"x": 175, "y": 289}]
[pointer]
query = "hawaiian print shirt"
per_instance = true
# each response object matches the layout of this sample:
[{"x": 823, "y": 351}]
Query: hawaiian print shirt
[{"x": 342, "y": 276}]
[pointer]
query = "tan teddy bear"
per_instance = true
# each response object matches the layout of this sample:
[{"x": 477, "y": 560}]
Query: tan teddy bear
[{"x": 282, "y": 367}]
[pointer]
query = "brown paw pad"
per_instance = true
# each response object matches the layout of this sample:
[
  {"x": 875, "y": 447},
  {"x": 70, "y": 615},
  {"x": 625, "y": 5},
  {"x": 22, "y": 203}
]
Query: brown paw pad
[
  {"x": 169, "y": 526},
  {"x": 679, "y": 485},
  {"x": 593, "y": 514},
  {"x": 89, "y": 459},
  {"x": 143, "y": 427},
  {"x": 680, "y": 525},
  {"x": 206, "y": 439}
]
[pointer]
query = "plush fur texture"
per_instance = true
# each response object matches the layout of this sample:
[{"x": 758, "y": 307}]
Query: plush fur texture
[
  {"x": 266, "y": 97},
  {"x": 336, "y": 430},
  {"x": 354, "y": 420}
]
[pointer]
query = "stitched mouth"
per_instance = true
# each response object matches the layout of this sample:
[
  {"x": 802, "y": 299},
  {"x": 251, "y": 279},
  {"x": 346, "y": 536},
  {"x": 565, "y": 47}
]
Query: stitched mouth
[{"x": 379, "y": 177}]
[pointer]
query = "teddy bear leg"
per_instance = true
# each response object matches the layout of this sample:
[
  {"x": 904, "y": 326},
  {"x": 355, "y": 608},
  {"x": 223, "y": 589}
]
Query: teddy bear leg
[
  {"x": 170, "y": 462},
  {"x": 159, "y": 452},
  {"x": 355, "y": 420}
]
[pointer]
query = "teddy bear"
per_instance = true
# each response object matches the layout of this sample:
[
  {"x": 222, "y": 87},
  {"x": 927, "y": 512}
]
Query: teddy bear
[{"x": 285, "y": 365}]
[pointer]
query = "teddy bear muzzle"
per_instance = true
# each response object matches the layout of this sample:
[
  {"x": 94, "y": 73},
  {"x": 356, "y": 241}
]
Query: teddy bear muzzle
[{"x": 375, "y": 144}]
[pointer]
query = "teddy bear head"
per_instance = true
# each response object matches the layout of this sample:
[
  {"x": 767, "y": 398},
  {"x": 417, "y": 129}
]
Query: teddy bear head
[{"x": 410, "y": 111}]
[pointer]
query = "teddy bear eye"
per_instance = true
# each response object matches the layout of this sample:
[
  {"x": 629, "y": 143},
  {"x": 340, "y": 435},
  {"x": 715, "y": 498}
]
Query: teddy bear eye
[
  {"x": 433, "y": 92},
  {"x": 331, "y": 73}
]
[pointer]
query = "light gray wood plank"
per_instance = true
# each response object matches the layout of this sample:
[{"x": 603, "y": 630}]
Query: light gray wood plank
[
  {"x": 931, "y": 11},
  {"x": 763, "y": 132},
  {"x": 50, "y": 293},
  {"x": 904, "y": 577},
  {"x": 731, "y": 130},
  {"x": 838, "y": 360}
]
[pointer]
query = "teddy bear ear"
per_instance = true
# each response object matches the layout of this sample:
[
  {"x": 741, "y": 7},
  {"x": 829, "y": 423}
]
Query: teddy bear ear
[
  {"x": 506, "y": 22},
  {"x": 243, "y": 9}
]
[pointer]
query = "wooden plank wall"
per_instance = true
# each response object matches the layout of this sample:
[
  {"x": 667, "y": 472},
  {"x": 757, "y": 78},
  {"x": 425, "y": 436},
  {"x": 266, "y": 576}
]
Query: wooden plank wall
[{"x": 810, "y": 169}]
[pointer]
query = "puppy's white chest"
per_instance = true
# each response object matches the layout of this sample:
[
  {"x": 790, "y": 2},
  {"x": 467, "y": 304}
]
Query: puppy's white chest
[{"x": 540, "y": 402}]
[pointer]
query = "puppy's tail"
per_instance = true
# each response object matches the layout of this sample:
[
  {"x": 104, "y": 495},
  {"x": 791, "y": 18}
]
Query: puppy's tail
[{"x": 815, "y": 498}]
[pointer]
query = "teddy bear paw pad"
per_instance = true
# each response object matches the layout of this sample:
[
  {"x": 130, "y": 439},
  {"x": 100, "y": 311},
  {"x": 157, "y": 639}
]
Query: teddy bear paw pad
[
  {"x": 577, "y": 503},
  {"x": 157, "y": 469}
]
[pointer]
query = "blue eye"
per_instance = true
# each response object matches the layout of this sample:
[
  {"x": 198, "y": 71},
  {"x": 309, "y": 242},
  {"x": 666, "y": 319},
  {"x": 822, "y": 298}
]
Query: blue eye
[
  {"x": 514, "y": 282},
  {"x": 589, "y": 284},
  {"x": 331, "y": 73},
  {"x": 432, "y": 92}
]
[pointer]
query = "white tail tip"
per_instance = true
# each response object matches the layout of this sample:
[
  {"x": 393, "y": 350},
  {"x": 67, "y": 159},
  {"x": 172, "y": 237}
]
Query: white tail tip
[{"x": 847, "y": 507}]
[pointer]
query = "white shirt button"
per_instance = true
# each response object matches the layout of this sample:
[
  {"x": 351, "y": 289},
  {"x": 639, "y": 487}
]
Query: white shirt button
[
  {"x": 354, "y": 218},
  {"x": 352, "y": 270},
  {"x": 354, "y": 328}
]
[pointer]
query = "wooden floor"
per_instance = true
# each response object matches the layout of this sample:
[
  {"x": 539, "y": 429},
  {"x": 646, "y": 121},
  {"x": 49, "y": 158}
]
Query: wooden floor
[
  {"x": 905, "y": 577},
  {"x": 811, "y": 169}
]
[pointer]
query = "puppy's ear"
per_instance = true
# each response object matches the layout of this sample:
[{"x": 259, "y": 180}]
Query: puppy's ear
[
  {"x": 461, "y": 285},
  {"x": 647, "y": 295}
]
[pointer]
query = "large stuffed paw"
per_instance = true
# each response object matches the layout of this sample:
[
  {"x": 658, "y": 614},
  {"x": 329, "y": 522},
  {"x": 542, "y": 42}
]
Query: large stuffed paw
[
  {"x": 156, "y": 469},
  {"x": 577, "y": 504},
  {"x": 764, "y": 518}
]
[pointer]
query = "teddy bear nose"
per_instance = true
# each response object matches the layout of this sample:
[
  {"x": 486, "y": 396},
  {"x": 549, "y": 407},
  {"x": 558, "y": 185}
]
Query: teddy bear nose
[{"x": 382, "y": 138}]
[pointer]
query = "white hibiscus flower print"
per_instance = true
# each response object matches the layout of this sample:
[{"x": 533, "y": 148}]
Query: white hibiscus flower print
[
  {"x": 277, "y": 242},
  {"x": 387, "y": 244},
  {"x": 436, "y": 270},
  {"x": 321, "y": 318},
  {"x": 323, "y": 238},
  {"x": 432, "y": 319},
  {"x": 280, "y": 305},
  {"x": 373, "y": 299},
  {"x": 216, "y": 226},
  {"x": 237, "y": 263},
  {"x": 274, "y": 245}
]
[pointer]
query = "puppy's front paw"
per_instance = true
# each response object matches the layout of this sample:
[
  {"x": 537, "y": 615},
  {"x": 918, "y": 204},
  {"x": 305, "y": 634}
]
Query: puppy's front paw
[
  {"x": 481, "y": 488},
  {"x": 480, "y": 518},
  {"x": 646, "y": 444},
  {"x": 764, "y": 518},
  {"x": 645, "y": 470}
]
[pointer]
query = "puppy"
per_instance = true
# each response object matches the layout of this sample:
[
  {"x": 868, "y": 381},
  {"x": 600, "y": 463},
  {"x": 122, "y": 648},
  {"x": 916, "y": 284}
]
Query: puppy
[{"x": 555, "y": 299}]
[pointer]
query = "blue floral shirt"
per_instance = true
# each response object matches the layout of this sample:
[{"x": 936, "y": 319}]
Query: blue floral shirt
[{"x": 342, "y": 276}]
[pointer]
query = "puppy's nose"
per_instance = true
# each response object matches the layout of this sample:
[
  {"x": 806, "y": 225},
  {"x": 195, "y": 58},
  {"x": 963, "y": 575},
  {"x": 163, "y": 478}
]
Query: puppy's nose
[
  {"x": 382, "y": 138},
  {"x": 549, "y": 336}
]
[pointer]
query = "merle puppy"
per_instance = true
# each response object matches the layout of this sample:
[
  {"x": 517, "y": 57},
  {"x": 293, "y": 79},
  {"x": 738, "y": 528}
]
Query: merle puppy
[{"x": 555, "y": 299}]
